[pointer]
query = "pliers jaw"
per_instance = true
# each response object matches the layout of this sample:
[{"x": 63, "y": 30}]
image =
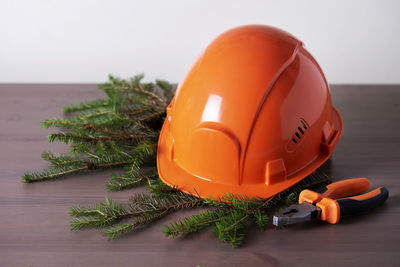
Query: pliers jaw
[{"x": 296, "y": 213}]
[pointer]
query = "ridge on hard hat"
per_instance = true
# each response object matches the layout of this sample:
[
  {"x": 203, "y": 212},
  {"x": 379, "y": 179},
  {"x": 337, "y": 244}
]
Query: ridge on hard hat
[{"x": 253, "y": 116}]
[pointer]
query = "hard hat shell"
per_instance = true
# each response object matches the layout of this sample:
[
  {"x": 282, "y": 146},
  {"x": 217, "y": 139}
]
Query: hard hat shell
[{"x": 253, "y": 116}]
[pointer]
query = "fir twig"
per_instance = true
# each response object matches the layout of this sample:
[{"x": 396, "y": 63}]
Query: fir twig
[
  {"x": 103, "y": 102},
  {"x": 116, "y": 130},
  {"x": 51, "y": 173},
  {"x": 194, "y": 223}
]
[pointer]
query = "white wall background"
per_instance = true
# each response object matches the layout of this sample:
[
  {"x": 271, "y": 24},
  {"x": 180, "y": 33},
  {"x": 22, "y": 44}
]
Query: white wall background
[{"x": 74, "y": 41}]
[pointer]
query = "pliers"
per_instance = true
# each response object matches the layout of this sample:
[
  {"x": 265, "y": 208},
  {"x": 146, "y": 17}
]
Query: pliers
[{"x": 332, "y": 202}]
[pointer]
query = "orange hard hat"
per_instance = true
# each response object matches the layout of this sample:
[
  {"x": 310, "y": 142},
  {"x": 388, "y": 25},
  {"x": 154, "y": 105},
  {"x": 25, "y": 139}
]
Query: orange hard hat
[{"x": 253, "y": 116}]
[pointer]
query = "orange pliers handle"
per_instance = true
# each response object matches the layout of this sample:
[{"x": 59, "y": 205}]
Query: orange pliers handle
[{"x": 337, "y": 199}]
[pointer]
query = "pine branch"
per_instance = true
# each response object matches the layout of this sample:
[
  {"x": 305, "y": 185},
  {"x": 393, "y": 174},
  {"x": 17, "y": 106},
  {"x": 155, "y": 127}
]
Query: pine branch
[
  {"x": 141, "y": 152},
  {"x": 194, "y": 223},
  {"x": 260, "y": 219},
  {"x": 228, "y": 218},
  {"x": 51, "y": 173},
  {"x": 159, "y": 210},
  {"x": 63, "y": 166},
  {"x": 76, "y": 138},
  {"x": 95, "y": 115},
  {"x": 150, "y": 94},
  {"x": 102, "y": 215},
  {"x": 158, "y": 189},
  {"x": 119, "y": 124},
  {"x": 125, "y": 228},
  {"x": 172, "y": 202},
  {"x": 120, "y": 229},
  {"x": 126, "y": 181},
  {"x": 134, "y": 110},
  {"x": 62, "y": 160},
  {"x": 142, "y": 208},
  {"x": 90, "y": 129},
  {"x": 230, "y": 228},
  {"x": 103, "y": 102},
  {"x": 152, "y": 116}
]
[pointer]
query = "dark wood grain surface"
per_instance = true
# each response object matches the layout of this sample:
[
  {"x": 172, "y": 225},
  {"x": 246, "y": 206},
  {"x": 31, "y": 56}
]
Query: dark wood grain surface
[{"x": 34, "y": 220}]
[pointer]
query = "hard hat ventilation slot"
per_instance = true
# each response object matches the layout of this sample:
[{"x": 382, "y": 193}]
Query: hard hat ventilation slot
[
  {"x": 300, "y": 132},
  {"x": 303, "y": 124}
]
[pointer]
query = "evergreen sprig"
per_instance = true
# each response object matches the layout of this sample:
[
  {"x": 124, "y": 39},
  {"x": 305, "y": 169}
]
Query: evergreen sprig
[
  {"x": 228, "y": 216},
  {"x": 141, "y": 209},
  {"x": 121, "y": 130}
]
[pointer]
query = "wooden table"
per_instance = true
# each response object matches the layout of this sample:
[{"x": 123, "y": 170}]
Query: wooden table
[{"x": 34, "y": 220}]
